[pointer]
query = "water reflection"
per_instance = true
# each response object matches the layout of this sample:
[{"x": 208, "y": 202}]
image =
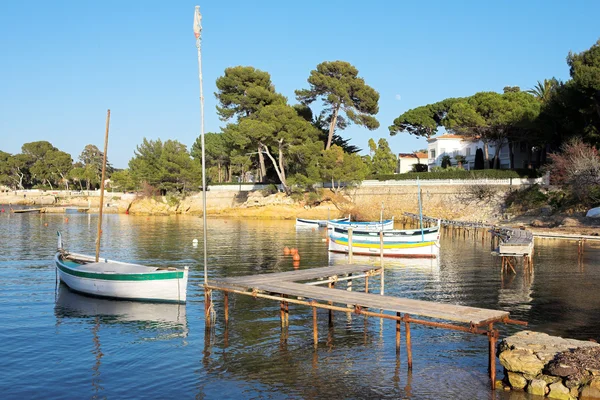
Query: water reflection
[{"x": 155, "y": 320}]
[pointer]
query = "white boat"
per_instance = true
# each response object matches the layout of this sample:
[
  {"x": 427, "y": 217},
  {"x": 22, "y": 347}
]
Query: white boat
[
  {"x": 120, "y": 280},
  {"x": 370, "y": 226},
  {"x": 114, "y": 279},
  {"x": 316, "y": 223},
  {"x": 411, "y": 243}
]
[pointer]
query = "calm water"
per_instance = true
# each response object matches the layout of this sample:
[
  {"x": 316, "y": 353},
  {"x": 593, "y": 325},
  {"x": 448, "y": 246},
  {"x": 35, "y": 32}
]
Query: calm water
[{"x": 56, "y": 344}]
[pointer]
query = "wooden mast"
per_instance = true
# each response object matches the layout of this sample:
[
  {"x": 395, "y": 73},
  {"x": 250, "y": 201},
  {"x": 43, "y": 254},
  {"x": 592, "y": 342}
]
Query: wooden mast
[{"x": 102, "y": 186}]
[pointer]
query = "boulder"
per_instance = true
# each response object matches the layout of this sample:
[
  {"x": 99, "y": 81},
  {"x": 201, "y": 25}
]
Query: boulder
[
  {"x": 516, "y": 380},
  {"x": 559, "y": 391},
  {"x": 537, "y": 387},
  {"x": 591, "y": 390},
  {"x": 521, "y": 361},
  {"x": 568, "y": 221}
]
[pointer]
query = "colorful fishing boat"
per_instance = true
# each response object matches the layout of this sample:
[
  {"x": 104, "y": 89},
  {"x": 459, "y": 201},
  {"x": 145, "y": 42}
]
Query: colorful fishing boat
[
  {"x": 414, "y": 243},
  {"x": 370, "y": 226},
  {"x": 120, "y": 280},
  {"x": 316, "y": 223}
]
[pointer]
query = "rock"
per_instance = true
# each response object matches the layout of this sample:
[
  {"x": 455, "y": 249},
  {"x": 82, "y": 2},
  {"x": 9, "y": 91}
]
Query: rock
[
  {"x": 562, "y": 370},
  {"x": 549, "y": 379},
  {"x": 589, "y": 393},
  {"x": 559, "y": 391},
  {"x": 546, "y": 211},
  {"x": 536, "y": 223},
  {"x": 568, "y": 221},
  {"x": 537, "y": 387},
  {"x": 516, "y": 380},
  {"x": 521, "y": 361}
]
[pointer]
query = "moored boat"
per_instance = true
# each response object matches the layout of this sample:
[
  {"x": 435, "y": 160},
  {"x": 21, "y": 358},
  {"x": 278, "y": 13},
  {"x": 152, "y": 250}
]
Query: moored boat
[
  {"x": 415, "y": 243},
  {"x": 120, "y": 280},
  {"x": 316, "y": 223},
  {"x": 370, "y": 226}
]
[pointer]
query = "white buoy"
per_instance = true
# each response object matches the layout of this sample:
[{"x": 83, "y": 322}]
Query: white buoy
[{"x": 195, "y": 242}]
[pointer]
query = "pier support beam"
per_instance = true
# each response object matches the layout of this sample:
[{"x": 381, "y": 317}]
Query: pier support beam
[
  {"x": 408, "y": 344},
  {"x": 398, "y": 333},
  {"x": 492, "y": 337},
  {"x": 315, "y": 328},
  {"x": 226, "y": 306}
]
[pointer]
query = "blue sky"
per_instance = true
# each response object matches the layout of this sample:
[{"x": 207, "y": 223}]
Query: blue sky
[{"x": 64, "y": 64}]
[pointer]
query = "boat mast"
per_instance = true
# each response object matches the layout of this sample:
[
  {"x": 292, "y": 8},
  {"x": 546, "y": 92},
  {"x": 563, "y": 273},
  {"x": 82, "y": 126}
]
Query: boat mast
[
  {"x": 420, "y": 209},
  {"x": 197, "y": 33},
  {"x": 102, "y": 186}
]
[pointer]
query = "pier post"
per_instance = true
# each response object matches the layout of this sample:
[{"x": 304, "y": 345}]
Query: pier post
[
  {"x": 349, "y": 245},
  {"x": 492, "y": 335},
  {"x": 226, "y": 306},
  {"x": 408, "y": 344},
  {"x": 207, "y": 306},
  {"x": 398, "y": 333},
  {"x": 282, "y": 313},
  {"x": 315, "y": 328}
]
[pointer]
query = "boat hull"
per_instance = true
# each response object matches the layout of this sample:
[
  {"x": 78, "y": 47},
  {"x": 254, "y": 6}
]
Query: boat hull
[
  {"x": 315, "y": 223},
  {"x": 157, "y": 286},
  {"x": 395, "y": 243},
  {"x": 363, "y": 226}
]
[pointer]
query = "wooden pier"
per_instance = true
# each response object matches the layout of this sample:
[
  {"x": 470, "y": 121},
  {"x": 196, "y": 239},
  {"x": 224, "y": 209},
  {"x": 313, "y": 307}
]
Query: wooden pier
[{"x": 304, "y": 287}]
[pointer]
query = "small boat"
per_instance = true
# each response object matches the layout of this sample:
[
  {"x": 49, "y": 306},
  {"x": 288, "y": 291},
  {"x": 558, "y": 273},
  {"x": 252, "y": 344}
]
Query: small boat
[
  {"x": 27, "y": 210},
  {"x": 413, "y": 243},
  {"x": 316, "y": 223},
  {"x": 114, "y": 279},
  {"x": 120, "y": 280},
  {"x": 370, "y": 226}
]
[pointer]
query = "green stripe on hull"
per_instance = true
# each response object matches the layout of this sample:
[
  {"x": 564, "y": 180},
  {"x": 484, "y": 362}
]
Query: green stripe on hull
[{"x": 121, "y": 277}]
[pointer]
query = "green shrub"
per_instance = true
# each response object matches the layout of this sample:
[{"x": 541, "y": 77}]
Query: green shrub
[
  {"x": 527, "y": 198},
  {"x": 271, "y": 189}
]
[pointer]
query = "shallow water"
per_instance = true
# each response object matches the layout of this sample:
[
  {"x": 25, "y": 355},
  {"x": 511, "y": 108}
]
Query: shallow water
[{"x": 57, "y": 344}]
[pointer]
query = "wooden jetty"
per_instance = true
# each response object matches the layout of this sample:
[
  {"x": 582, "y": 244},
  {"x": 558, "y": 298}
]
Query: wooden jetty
[{"x": 303, "y": 287}]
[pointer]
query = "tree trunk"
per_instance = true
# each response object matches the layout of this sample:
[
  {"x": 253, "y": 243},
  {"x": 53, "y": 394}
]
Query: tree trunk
[
  {"x": 486, "y": 156},
  {"x": 277, "y": 170},
  {"x": 511, "y": 155},
  {"x": 262, "y": 168},
  {"x": 219, "y": 164},
  {"x": 497, "y": 156},
  {"x": 332, "y": 125},
  {"x": 281, "y": 167},
  {"x": 333, "y": 185},
  {"x": 50, "y": 183},
  {"x": 529, "y": 149}
]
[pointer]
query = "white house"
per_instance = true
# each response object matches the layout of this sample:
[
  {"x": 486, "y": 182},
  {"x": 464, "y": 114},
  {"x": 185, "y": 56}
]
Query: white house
[
  {"x": 407, "y": 160},
  {"x": 454, "y": 145}
]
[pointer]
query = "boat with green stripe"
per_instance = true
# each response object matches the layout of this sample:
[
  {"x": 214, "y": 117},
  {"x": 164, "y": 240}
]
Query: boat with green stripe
[{"x": 120, "y": 280}]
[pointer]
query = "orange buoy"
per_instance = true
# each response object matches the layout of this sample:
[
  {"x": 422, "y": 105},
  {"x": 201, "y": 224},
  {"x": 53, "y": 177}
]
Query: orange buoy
[
  {"x": 293, "y": 251},
  {"x": 296, "y": 257},
  {"x": 67, "y": 219},
  {"x": 296, "y": 264},
  {"x": 286, "y": 251},
  {"x": 46, "y": 224}
]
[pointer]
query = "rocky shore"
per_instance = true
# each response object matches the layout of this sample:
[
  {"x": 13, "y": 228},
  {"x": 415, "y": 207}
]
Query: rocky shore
[
  {"x": 551, "y": 366},
  {"x": 362, "y": 203}
]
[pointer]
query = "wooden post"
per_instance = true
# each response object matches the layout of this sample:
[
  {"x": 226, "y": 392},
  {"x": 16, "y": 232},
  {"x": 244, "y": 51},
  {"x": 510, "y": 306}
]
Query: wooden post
[
  {"x": 349, "y": 245},
  {"x": 226, "y": 306},
  {"x": 408, "y": 345},
  {"x": 492, "y": 359},
  {"x": 398, "y": 333},
  {"x": 331, "y": 285},
  {"x": 315, "y": 329},
  {"x": 282, "y": 313},
  {"x": 207, "y": 307},
  {"x": 367, "y": 284}
]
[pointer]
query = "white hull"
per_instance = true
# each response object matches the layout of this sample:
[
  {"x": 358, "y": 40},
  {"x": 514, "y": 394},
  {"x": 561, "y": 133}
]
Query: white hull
[
  {"x": 363, "y": 226},
  {"x": 151, "y": 285}
]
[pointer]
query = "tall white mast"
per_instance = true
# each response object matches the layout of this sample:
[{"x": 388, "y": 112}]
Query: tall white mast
[{"x": 197, "y": 33}]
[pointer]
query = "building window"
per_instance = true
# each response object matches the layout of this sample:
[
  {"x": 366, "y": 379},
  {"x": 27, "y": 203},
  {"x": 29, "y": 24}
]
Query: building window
[
  {"x": 432, "y": 153},
  {"x": 468, "y": 151}
]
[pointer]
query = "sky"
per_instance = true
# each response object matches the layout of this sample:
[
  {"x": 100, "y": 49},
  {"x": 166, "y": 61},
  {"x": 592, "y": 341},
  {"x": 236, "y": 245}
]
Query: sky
[{"x": 64, "y": 64}]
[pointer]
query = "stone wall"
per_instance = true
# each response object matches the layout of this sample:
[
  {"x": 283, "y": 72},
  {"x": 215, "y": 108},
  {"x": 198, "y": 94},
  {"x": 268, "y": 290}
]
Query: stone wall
[{"x": 551, "y": 366}]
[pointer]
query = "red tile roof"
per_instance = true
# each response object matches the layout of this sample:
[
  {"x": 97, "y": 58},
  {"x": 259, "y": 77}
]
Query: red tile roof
[
  {"x": 412, "y": 155},
  {"x": 447, "y": 136}
]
